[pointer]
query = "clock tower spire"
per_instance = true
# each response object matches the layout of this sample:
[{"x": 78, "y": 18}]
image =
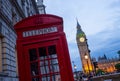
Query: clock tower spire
[
  {"x": 78, "y": 27},
  {"x": 83, "y": 50}
]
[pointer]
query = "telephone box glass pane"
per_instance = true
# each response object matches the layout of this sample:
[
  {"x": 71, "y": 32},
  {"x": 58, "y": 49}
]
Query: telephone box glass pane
[
  {"x": 54, "y": 65},
  {"x": 46, "y": 78},
  {"x": 34, "y": 69},
  {"x": 35, "y": 79},
  {"x": 42, "y": 53},
  {"x": 44, "y": 67},
  {"x": 33, "y": 62},
  {"x": 33, "y": 54},
  {"x": 56, "y": 77},
  {"x": 52, "y": 51}
]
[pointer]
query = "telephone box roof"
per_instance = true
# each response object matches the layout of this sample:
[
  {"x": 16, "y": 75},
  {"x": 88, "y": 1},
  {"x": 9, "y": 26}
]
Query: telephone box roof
[{"x": 40, "y": 19}]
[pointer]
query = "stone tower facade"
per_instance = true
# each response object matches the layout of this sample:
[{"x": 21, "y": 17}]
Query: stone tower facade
[
  {"x": 41, "y": 7},
  {"x": 83, "y": 50}
]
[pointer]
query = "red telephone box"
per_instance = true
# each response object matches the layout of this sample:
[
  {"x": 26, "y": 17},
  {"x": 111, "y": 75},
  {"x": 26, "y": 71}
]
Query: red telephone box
[{"x": 42, "y": 49}]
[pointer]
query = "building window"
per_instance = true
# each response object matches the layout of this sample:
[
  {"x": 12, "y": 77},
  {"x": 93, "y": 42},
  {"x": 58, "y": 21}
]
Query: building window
[
  {"x": 14, "y": 19},
  {"x": 1, "y": 45}
]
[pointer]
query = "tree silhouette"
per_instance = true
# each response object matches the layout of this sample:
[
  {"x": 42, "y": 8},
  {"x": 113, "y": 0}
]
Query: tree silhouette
[
  {"x": 100, "y": 72},
  {"x": 117, "y": 66},
  {"x": 119, "y": 54}
]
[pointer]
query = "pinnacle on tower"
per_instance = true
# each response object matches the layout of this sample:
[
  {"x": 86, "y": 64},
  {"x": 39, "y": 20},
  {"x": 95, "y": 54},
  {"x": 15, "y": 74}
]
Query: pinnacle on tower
[
  {"x": 79, "y": 30},
  {"x": 41, "y": 7},
  {"x": 78, "y": 26}
]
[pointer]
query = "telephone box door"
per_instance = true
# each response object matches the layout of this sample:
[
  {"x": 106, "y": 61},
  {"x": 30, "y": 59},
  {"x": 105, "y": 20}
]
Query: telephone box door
[{"x": 43, "y": 61}]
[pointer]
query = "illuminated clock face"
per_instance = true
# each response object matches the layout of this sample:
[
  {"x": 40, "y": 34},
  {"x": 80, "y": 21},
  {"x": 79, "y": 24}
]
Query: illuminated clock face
[{"x": 82, "y": 39}]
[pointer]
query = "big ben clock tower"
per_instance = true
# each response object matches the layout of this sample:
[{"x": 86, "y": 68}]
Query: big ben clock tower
[{"x": 83, "y": 50}]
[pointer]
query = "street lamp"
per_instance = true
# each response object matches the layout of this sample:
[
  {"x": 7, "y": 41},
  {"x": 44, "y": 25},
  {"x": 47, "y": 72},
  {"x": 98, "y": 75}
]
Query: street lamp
[
  {"x": 86, "y": 58},
  {"x": 75, "y": 69}
]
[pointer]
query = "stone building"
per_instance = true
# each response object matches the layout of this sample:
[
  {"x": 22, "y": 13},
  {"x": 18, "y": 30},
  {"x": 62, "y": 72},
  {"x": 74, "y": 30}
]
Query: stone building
[
  {"x": 107, "y": 64},
  {"x": 11, "y": 12}
]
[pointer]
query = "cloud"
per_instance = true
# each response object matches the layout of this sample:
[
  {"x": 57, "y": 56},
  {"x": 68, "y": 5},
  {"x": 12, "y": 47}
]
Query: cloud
[
  {"x": 97, "y": 15},
  {"x": 105, "y": 42}
]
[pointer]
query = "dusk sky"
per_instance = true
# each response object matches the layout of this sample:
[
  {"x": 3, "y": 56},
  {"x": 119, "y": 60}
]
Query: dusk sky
[{"x": 99, "y": 19}]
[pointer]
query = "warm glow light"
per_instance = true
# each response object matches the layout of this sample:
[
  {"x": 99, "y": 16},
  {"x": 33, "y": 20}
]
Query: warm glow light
[
  {"x": 75, "y": 67},
  {"x": 90, "y": 68},
  {"x": 109, "y": 69},
  {"x": 86, "y": 57}
]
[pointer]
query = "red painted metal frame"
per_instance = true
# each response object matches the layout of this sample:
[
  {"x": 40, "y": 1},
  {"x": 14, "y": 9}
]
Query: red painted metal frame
[{"x": 58, "y": 38}]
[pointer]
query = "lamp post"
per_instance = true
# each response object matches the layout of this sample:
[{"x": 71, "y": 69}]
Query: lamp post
[
  {"x": 86, "y": 58},
  {"x": 75, "y": 70}
]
